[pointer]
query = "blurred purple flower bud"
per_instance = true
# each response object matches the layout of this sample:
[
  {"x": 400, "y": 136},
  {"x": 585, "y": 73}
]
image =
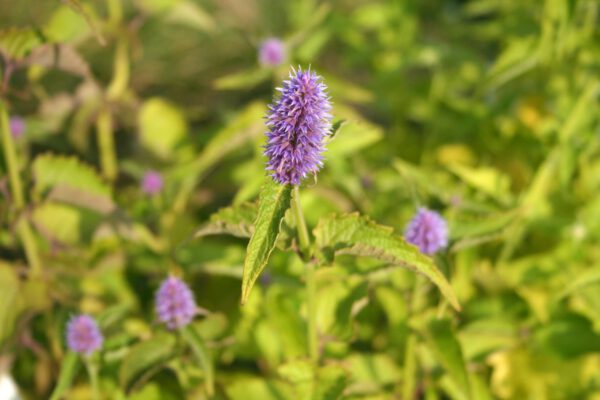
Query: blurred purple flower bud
[
  {"x": 175, "y": 305},
  {"x": 298, "y": 123},
  {"x": 17, "y": 127},
  {"x": 271, "y": 52},
  {"x": 428, "y": 231},
  {"x": 83, "y": 334},
  {"x": 152, "y": 182}
]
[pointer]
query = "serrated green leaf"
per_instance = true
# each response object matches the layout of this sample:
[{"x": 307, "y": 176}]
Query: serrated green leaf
[
  {"x": 194, "y": 340},
  {"x": 68, "y": 369},
  {"x": 449, "y": 353},
  {"x": 235, "y": 220},
  {"x": 274, "y": 201},
  {"x": 50, "y": 171},
  {"x": 17, "y": 43},
  {"x": 145, "y": 357},
  {"x": 358, "y": 235}
]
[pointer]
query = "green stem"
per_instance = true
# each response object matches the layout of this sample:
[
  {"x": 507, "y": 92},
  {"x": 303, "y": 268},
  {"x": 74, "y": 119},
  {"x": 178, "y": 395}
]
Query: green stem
[
  {"x": 410, "y": 357},
  {"x": 10, "y": 154},
  {"x": 300, "y": 224},
  {"x": 106, "y": 145},
  {"x": 23, "y": 228},
  {"x": 30, "y": 246},
  {"x": 92, "y": 370},
  {"x": 311, "y": 282}
]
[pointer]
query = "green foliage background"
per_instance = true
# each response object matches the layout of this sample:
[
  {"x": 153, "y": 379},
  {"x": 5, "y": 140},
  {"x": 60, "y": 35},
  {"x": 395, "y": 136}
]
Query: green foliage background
[{"x": 486, "y": 110}]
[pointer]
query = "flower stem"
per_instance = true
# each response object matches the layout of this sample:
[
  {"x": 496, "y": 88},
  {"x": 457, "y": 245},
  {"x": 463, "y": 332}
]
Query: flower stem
[
  {"x": 92, "y": 369},
  {"x": 10, "y": 154},
  {"x": 23, "y": 228},
  {"x": 106, "y": 144},
  {"x": 311, "y": 283}
]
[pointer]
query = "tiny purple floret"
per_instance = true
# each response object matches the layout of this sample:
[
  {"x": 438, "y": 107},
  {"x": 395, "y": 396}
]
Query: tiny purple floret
[
  {"x": 298, "y": 123},
  {"x": 428, "y": 231},
  {"x": 152, "y": 182},
  {"x": 17, "y": 126},
  {"x": 175, "y": 305},
  {"x": 271, "y": 52},
  {"x": 83, "y": 334}
]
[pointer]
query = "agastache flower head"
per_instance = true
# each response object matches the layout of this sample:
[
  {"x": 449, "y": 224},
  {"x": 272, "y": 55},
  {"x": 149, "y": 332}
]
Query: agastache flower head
[
  {"x": 428, "y": 231},
  {"x": 17, "y": 127},
  {"x": 83, "y": 334},
  {"x": 271, "y": 52},
  {"x": 152, "y": 182},
  {"x": 175, "y": 305},
  {"x": 298, "y": 123}
]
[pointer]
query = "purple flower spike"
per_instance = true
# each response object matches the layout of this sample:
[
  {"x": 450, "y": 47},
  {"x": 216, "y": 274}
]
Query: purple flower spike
[
  {"x": 152, "y": 182},
  {"x": 428, "y": 231},
  {"x": 83, "y": 334},
  {"x": 17, "y": 127},
  {"x": 271, "y": 52},
  {"x": 298, "y": 123},
  {"x": 175, "y": 305}
]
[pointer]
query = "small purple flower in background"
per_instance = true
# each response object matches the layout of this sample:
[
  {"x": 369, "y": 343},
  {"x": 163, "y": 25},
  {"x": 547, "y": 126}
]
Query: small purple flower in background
[
  {"x": 83, "y": 334},
  {"x": 17, "y": 127},
  {"x": 175, "y": 305},
  {"x": 298, "y": 123},
  {"x": 272, "y": 52},
  {"x": 152, "y": 182},
  {"x": 428, "y": 231}
]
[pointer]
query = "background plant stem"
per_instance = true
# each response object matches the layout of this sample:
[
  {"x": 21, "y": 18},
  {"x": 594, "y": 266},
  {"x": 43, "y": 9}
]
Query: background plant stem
[
  {"x": 311, "y": 284},
  {"x": 106, "y": 145},
  {"x": 23, "y": 228},
  {"x": 92, "y": 370}
]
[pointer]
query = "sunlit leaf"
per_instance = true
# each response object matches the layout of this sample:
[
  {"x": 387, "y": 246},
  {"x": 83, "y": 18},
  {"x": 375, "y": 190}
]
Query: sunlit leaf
[
  {"x": 162, "y": 126},
  {"x": 17, "y": 43},
  {"x": 358, "y": 235}
]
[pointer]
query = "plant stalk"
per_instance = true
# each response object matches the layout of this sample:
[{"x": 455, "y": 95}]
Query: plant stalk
[
  {"x": 92, "y": 369},
  {"x": 106, "y": 145},
  {"x": 311, "y": 283},
  {"x": 23, "y": 228}
]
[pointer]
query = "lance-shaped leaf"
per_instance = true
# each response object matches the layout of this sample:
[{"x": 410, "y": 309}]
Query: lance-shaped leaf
[
  {"x": 145, "y": 358},
  {"x": 447, "y": 349},
  {"x": 274, "y": 201},
  {"x": 235, "y": 220},
  {"x": 358, "y": 235},
  {"x": 68, "y": 370},
  {"x": 194, "y": 340}
]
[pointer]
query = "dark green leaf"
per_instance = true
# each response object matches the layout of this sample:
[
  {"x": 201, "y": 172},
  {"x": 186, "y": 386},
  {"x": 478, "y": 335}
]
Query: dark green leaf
[{"x": 274, "y": 201}]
